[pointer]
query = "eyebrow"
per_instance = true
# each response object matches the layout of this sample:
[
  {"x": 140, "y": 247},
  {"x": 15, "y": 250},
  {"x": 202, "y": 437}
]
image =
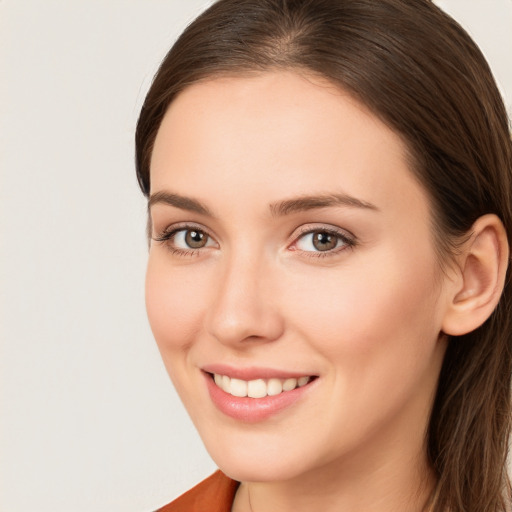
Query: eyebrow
[
  {"x": 305, "y": 203},
  {"x": 178, "y": 201},
  {"x": 278, "y": 209}
]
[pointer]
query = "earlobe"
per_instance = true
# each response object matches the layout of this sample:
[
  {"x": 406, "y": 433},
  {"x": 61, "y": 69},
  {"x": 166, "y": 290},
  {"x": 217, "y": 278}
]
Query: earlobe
[{"x": 482, "y": 266}]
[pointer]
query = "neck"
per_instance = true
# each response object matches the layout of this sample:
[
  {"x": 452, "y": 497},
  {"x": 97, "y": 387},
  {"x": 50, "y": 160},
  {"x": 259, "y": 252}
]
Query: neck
[
  {"x": 379, "y": 478},
  {"x": 382, "y": 491}
]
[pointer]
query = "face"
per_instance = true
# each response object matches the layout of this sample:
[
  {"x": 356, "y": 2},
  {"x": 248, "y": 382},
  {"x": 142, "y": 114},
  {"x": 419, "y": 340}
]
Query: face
[{"x": 292, "y": 284}]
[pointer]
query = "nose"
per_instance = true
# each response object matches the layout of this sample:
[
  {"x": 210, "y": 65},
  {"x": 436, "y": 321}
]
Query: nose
[{"x": 244, "y": 304}]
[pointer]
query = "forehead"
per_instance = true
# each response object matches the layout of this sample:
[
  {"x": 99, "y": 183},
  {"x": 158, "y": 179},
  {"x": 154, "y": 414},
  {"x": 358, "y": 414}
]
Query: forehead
[{"x": 278, "y": 133}]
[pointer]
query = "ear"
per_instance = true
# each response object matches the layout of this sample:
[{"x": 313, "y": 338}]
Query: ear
[{"x": 480, "y": 278}]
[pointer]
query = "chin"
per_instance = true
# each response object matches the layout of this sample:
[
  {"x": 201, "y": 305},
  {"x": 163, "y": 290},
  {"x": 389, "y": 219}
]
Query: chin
[
  {"x": 259, "y": 459},
  {"x": 260, "y": 470}
]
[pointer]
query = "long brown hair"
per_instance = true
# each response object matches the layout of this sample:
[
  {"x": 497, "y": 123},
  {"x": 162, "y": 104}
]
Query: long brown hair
[{"x": 420, "y": 72}]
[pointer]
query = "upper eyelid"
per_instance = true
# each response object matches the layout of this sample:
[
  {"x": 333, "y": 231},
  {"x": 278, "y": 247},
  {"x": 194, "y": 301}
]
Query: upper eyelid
[
  {"x": 183, "y": 226},
  {"x": 318, "y": 227}
]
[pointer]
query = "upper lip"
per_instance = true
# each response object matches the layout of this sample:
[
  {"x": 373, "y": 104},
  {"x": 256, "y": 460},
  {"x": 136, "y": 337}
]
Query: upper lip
[{"x": 252, "y": 372}]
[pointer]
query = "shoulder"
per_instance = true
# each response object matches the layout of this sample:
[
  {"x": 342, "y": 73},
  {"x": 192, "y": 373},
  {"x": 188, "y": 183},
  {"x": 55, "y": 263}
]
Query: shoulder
[{"x": 215, "y": 494}]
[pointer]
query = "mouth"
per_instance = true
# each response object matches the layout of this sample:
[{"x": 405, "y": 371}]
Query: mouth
[
  {"x": 259, "y": 388},
  {"x": 254, "y": 394},
  {"x": 258, "y": 399}
]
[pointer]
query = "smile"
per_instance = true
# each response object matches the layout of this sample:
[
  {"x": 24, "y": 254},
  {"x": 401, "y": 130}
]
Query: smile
[{"x": 258, "y": 388}]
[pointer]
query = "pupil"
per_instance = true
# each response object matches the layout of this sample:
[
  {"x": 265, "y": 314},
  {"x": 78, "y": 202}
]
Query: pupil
[
  {"x": 195, "y": 239},
  {"x": 324, "y": 241}
]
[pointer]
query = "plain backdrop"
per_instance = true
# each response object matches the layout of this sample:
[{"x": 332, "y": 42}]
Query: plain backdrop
[{"x": 89, "y": 420}]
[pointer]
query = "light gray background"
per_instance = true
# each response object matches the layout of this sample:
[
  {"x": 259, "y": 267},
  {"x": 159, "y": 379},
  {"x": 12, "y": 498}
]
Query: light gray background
[{"x": 89, "y": 421}]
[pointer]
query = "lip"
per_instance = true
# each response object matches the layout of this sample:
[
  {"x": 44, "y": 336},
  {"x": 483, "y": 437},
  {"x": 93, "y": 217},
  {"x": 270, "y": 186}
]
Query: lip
[
  {"x": 252, "y": 372},
  {"x": 253, "y": 410}
]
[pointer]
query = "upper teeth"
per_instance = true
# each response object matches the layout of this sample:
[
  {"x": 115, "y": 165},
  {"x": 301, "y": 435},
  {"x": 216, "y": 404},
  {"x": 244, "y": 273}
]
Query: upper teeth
[{"x": 258, "y": 388}]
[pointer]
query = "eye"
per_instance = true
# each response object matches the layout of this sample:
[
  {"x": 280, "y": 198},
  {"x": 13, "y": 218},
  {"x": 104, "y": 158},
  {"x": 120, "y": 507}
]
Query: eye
[
  {"x": 323, "y": 241},
  {"x": 190, "y": 239},
  {"x": 185, "y": 240}
]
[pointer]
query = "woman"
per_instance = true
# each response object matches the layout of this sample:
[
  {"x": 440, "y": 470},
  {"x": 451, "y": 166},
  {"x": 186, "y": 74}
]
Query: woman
[{"x": 329, "y": 188}]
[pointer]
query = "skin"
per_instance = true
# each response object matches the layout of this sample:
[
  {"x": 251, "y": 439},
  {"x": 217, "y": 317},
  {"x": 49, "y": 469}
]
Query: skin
[{"x": 366, "y": 319}]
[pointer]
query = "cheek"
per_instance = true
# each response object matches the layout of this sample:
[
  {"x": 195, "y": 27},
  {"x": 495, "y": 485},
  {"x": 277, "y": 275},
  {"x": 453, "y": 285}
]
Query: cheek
[
  {"x": 376, "y": 327},
  {"x": 174, "y": 304},
  {"x": 370, "y": 307}
]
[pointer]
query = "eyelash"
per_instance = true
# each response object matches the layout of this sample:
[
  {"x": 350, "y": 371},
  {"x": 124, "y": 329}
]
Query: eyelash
[
  {"x": 349, "y": 241},
  {"x": 166, "y": 236}
]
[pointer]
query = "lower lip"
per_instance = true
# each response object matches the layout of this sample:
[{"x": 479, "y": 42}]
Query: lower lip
[{"x": 252, "y": 410}]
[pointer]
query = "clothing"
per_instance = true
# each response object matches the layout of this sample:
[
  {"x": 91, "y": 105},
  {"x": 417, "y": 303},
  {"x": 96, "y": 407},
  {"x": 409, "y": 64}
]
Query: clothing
[{"x": 215, "y": 494}]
